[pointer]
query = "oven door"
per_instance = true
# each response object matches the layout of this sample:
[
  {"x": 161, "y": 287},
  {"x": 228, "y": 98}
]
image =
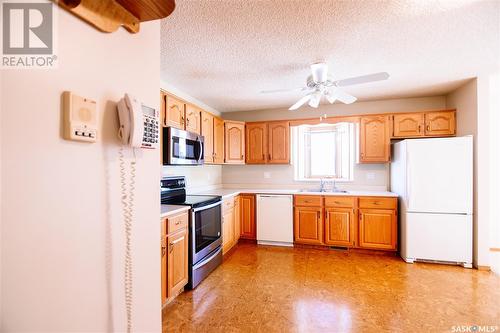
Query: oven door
[
  {"x": 183, "y": 147},
  {"x": 205, "y": 230}
]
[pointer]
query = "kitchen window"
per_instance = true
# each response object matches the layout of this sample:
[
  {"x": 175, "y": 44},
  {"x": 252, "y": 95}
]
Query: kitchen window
[{"x": 323, "y": 151}]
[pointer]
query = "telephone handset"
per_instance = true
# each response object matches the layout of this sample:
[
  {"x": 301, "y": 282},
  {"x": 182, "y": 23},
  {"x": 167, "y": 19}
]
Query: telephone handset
[{"x": 139, "y": 124}]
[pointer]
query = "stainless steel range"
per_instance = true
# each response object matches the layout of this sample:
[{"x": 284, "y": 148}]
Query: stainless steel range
[{"x": 205, "y": 250}]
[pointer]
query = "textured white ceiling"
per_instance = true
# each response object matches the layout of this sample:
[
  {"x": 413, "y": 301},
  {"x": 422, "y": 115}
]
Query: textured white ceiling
[{"x": 225, "y": 52}]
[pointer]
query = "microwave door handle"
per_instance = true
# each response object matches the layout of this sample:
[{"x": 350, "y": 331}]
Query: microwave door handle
[{"x": 201, "y": 149}]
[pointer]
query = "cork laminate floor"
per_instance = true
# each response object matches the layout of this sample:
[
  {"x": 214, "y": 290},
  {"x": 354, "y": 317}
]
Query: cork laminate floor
[{"x": 272, "y": 289}]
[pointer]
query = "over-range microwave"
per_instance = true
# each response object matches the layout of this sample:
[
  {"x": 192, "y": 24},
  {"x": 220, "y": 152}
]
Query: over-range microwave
[{"x": 182, "y": 147}]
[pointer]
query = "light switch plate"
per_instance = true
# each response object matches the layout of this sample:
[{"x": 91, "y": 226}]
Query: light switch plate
[
  {"x": 370, "y": 176},
  {"x": 80, "y": 118}
]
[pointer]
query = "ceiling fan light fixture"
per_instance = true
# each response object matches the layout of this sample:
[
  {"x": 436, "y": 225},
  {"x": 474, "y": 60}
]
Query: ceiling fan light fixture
[{"x": 319, "y": 72}]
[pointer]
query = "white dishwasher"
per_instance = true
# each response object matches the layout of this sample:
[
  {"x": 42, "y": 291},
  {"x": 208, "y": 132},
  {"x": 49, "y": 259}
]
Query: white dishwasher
[{"x": 275, "y": 219}]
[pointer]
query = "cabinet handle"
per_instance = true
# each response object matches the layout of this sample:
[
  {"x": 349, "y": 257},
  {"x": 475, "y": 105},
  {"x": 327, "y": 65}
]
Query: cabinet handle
[
  {"x": 163, "y": 248},
  {"x": 177, "y": 222},
  {"x": 270, "y": 157},
  {"x": 263, "y": 157},
  {"x": 175, "y": 242},
  {"x": 241, "y": 156},
  {"x": 419, "y": 128},
  {"x": 182, "y": 120},
  {"x": 428, "y": 127},
  {"x": 318, "y": 215}
]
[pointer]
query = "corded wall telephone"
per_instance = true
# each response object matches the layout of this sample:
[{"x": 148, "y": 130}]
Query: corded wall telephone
[
  {"x": 139, "y": 127},
  {"x": 138, "y": 123}
]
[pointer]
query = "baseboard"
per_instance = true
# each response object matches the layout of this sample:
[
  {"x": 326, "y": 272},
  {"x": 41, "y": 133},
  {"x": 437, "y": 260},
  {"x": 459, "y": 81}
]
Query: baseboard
[{"x": 483, "y": 268}]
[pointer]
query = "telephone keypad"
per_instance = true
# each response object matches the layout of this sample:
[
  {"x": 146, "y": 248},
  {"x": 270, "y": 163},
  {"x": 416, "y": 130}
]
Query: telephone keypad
[{"x": 151, "y": 131}]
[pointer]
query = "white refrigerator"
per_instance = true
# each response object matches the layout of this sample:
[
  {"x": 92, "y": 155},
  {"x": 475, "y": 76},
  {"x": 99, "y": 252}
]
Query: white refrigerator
[{"x": 434, "y": 181}]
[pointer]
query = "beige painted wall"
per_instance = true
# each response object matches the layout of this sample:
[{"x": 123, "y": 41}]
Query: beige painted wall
[
  {"x": 62, "y": 228},
  {"x": 464, "y": 99},
  {"x": 1, "y": 161},
  {"x": 339, "y": 109},
  {"x": 366, "y": 176}
]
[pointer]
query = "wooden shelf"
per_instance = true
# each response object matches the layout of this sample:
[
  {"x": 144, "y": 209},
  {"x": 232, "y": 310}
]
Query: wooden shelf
[{"x": 109, "y": 15}]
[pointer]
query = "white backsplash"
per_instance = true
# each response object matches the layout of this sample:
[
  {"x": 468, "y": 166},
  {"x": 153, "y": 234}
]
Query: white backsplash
[{"x": 198, "y": 177}]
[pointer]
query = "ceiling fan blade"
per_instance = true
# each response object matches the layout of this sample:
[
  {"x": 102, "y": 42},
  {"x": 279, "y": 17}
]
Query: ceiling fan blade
[
  {"x": 344, "y": 97},
  {"x": 314, "y": 101},
  {"x": 283, "y": 90},
  {"x": 331, "y": 97},
  {"x": 319, "y": 72},
  {"x": 362, "y": 79},
  {"x": 300, "y": 102}
]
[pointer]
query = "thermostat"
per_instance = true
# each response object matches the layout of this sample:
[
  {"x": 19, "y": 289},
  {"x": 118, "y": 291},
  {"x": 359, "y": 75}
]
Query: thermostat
[{"x": 80, "y": 118}]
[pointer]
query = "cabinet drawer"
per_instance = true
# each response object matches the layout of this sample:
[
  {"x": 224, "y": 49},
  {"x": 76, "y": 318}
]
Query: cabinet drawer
[
  {"x": 339, "y": 201},
  {"x": 227, "y": 204},
  {"x": 308, "y": 200},
  {"x": 378, "y": 202},
  {"x": 177, "y": 222}
]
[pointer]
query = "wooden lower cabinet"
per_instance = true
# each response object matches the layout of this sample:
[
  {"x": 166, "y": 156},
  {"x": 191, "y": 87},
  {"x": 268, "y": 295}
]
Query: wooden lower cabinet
[
  {"x": 333, "y": 221},
  {"x": 308, "y": 225},
  {"x": 227, "y": 229},
  {"x": 237, "y": 219},
  {"x": 378, "y": 229},
  {"x": 247, "y": 209},
  {"x": 339, "y": 226},
  {"x": 174, "y": 256}
]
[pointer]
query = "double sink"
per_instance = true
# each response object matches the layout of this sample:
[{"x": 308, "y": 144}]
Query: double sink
[{"x": 322, "y": 190}]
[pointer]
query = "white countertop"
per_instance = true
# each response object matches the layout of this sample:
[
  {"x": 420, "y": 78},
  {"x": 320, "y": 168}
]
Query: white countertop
[
  {"x": 172, "y": 210},
  {"x": 227, "y": 193}
]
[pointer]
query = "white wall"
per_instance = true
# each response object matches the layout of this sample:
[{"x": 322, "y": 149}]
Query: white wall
[
  {"x": 62, "y": 229},
  {"x": 366, "y": 176},
  {"x": 464, "y": 99}
]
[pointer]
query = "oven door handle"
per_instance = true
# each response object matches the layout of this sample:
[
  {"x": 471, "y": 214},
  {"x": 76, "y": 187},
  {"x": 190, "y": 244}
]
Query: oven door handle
[
  {"x": 218, "y": 203},
  {"x": 206, "y": 261}
]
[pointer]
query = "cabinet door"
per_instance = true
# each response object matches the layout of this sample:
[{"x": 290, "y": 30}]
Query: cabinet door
[
  {"x": 163, "y": 270},
  {"x": 339, "y": 226},
  {"x": 218, "y": 140},
  {"x": 440, "y": 123},
  {"x": 234, "y": 142},
  {"x": 308, "y": 225},
  {"x": 193, "y": 119},
  {"x": 377, "y": 229},
  {"x": 375, "y": 140},
  {"x": 256, "y": 143},
  {"x": 247, "y": 207},
  {"x": 237, "y": 219},
  {"x": 227, "y": 230},
  {"x": 279, "y": 142},
  {"x": 174, "y": 112},
  {"x": 177, "y": 262},
  {"x": 408, "y": 125},
  {"x": 207, "y": 130}
]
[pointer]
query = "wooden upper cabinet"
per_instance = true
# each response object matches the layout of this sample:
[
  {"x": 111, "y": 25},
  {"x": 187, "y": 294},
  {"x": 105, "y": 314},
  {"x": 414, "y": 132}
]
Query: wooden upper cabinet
[
  {"x": 308, "y": 224},
  {"x": 207, "y": 130},
  {"x": 256, "y": 143},
  {"x": 408, "y": 125},
  {"x": 218, "y": 141},
  {"x": 234, "y": 142},
  {"x": 177, "y": 259},
  {"x": 339, "y": 226},
  {"x": 378, "y": 229},
  {"x": 440, "y": 123},
  {"x": 174, "y": 112},
  {"x": 375, "y": 139},
  {"x": 193, "y": 119},
  {"x": 279, "y": 142},
  {"x": 247, "y": 216}
]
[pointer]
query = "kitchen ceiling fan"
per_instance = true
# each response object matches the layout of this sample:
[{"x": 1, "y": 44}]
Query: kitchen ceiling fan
[{"x": 320, "y": 84}]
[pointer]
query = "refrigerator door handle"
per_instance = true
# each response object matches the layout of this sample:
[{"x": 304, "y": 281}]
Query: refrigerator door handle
[{"x": 408, "y": 180}]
